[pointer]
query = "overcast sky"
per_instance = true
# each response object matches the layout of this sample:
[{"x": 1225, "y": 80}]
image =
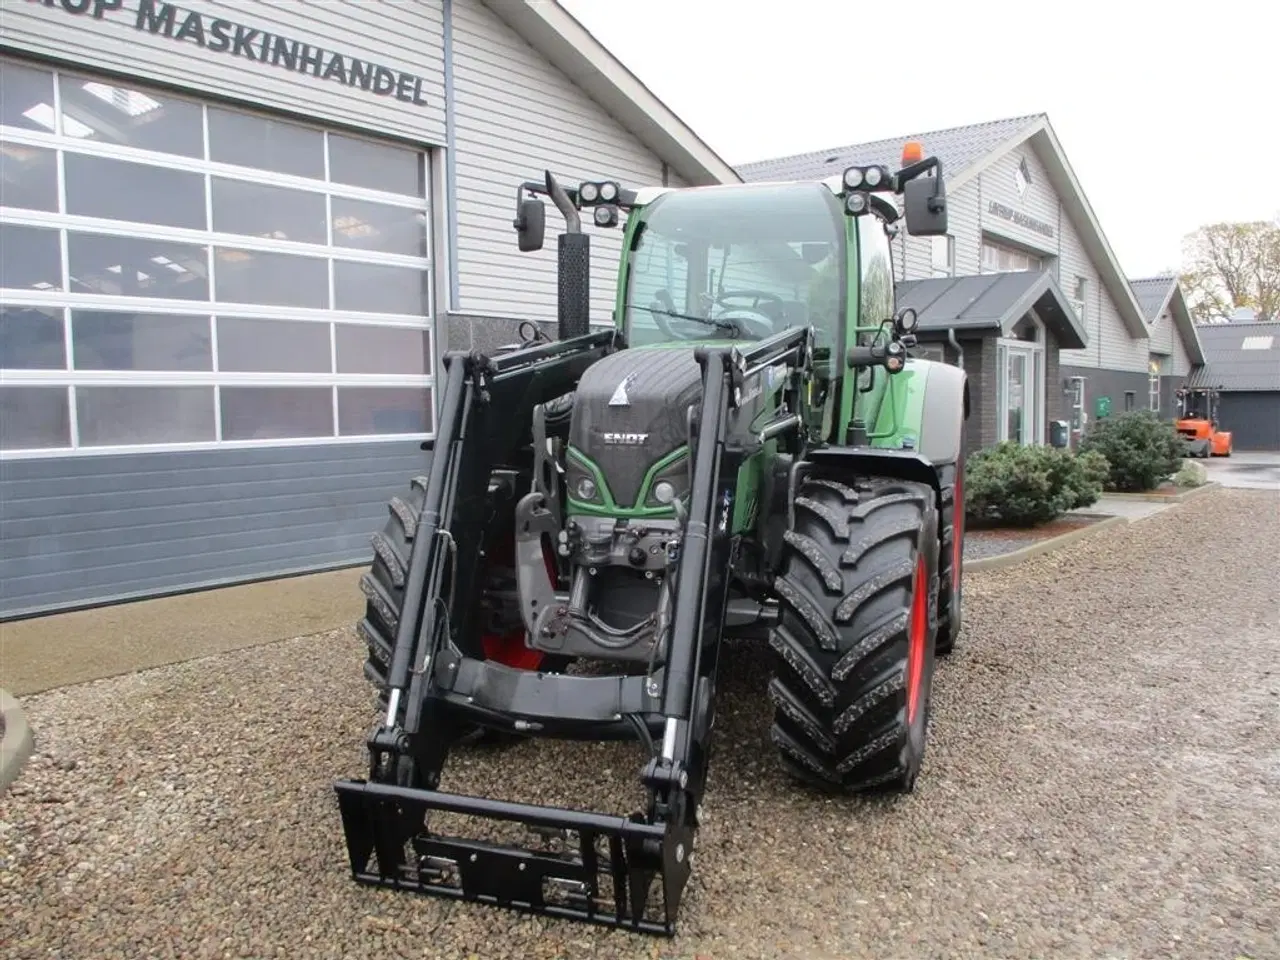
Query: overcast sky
[{"x": 1169, "y": 112}]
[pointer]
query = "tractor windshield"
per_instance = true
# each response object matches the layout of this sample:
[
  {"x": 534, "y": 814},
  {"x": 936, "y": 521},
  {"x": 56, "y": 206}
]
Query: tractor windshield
[{"x": 737, "y": 262}]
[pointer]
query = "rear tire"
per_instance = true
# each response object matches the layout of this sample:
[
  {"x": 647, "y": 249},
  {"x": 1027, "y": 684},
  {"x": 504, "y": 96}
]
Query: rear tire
[
  {"x": 854, "y": 648},
  {"x": 951, "y": 560}
]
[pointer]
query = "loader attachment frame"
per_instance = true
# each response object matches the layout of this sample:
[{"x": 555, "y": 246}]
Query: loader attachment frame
[{"x": 608, "y": 873}]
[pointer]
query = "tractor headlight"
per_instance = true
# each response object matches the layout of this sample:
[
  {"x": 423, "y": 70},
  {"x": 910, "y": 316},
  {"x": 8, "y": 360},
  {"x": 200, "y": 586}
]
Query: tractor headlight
[
  {"x": 874, "y": 176},
  {"x": 589, "y": 192},
  {"x": 856, "y": 203},
  {"x": 606, "y": 216},
  {"x": 853, "y": 178},
  {"x": 664, "y": 491},
  {"x": 585, "y": 489},
  {"x": 609, "y": 192},
  {"x": 671, "y": 483}
]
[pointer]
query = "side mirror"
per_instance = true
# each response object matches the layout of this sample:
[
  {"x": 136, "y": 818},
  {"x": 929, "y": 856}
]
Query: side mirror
[
  {"x": 926, "y": 202},
  {"x": 531, "y": 224}
]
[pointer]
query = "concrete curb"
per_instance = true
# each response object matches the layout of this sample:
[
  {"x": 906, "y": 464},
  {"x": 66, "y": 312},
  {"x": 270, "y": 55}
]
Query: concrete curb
[
  {"x": 1166, "y": 497},
  {"x": 1013, "y": 558},
  {"x": 17, "y": 744}
]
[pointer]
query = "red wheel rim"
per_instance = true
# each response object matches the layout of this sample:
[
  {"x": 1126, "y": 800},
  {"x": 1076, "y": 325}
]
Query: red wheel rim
[
  {"x": 510, "y": 649},
  {"x": 957, "y": 531},
  {"x": 918, "y": 631}
]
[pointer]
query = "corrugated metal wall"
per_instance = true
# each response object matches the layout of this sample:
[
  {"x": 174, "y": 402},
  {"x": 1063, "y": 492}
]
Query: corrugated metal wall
[
  {"x": 517, "y": 116},
  {"x": 81, "y": 529}
]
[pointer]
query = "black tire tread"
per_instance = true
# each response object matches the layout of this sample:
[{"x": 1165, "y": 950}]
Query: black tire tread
[
  {"x": 946, "y": 639},
  {"x": 840, "y": 650},
  {"x": 383, "y": 584}
]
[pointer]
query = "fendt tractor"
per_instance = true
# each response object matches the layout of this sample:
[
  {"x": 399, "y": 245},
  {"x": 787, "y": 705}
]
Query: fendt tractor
[{"x": 749, "y": 453}]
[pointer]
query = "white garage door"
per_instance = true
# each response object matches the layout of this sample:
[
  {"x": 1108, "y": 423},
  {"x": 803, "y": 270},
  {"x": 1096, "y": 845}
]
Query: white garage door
[{"x": 177, "y": 275}]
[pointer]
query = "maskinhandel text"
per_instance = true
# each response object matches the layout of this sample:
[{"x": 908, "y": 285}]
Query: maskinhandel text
[{"x": 260, "y": 46}]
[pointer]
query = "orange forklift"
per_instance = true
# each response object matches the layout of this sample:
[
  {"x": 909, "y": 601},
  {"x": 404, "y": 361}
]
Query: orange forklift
[{"x": 1198, "y": 423}]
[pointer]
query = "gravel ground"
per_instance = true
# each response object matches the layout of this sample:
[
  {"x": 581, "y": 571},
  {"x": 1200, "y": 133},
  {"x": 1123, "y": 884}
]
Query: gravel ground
[
  {"x": 983, "y": 543},
  {"x": 1103, "y": 780}
]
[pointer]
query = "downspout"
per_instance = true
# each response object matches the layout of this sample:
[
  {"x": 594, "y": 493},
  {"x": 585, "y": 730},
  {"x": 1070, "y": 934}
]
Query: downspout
[{"x": 955, "y": 344}]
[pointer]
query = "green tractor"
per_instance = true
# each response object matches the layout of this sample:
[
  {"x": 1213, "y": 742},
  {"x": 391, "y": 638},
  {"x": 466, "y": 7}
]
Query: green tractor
[{"x": 749, "y": 453}]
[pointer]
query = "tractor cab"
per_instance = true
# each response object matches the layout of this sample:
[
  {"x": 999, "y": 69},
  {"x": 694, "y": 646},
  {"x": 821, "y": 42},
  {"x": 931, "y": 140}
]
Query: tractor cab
[{"x": 1198, "y": 422}]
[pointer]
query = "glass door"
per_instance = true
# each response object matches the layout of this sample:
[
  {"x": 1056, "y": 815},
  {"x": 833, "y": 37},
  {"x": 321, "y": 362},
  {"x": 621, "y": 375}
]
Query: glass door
[{"x": 1018, "y": 394}]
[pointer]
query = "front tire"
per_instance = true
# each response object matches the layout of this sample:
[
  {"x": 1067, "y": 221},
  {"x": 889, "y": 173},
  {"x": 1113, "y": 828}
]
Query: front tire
[
  {"x": 854, "y": 647},
  {"x": 383, "y": 587}
]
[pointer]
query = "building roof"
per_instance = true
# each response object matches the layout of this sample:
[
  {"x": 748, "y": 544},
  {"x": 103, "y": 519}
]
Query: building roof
[
  {"x": 556, "y": 34},
  {"x": 1154, "y": 294},
  {"x": 1239, "y": 356},
  {"x": 956, "y": 147},
  {"x": 965, "y": 152},
  {"x": 992, "y": 301}
]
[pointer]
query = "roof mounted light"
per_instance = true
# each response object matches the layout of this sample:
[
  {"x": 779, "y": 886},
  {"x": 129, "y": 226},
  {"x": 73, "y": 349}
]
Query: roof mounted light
[
  {"x": 912, "y": 152},
  {"x": 856, "y": 203},
  {"x": 853, "y": 178}
]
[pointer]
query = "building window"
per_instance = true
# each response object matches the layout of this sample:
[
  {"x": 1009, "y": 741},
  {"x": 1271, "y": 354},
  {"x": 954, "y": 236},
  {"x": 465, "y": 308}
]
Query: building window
[
  {"x": 181, "y": 275},
  {"x": 1153, "y": 386},
  {"x": 944, "y": 256},
  {"x": 1020, "y": 384},
  {"x": 1080, "y": 300},
  {"x": 1075, "y": 394},
  {"x": 998, "y": 258},
  {"x": 1022, "y": 177},
  {"x": 1130, "y": 400},
  {"x": 930, "y": 351}
]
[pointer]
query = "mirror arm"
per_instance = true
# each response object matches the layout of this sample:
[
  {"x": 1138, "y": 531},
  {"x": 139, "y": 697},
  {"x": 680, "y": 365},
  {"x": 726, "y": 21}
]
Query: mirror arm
[{"x": 916, "y": 169}]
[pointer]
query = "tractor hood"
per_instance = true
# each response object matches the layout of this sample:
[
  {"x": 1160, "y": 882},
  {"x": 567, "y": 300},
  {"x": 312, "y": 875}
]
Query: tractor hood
[{"x": 631, "y": 409}]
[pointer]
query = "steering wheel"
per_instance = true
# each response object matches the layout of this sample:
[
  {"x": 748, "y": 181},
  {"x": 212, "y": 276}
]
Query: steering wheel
[{"x": 755, "y": 295}]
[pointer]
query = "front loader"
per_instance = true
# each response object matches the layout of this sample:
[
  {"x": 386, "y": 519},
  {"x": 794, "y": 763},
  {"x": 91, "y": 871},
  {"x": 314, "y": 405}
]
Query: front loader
[{"x": 749, "y": 451}]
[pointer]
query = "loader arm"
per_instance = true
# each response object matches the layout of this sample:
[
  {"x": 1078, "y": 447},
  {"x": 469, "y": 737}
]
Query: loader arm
[{"x": 608, "y": 874}]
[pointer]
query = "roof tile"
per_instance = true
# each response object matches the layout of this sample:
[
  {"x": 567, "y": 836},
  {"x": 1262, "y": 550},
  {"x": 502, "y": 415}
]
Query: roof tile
[
  {"x": 1231, "y": 367},
  {"x": 1152, "y": 292},
  {"x": 957, "y": 148}
]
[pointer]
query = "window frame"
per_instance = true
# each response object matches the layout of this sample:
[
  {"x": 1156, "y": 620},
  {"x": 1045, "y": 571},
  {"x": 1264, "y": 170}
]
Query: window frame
[
  {"x": 947, "y": 242},
  {"x": 212, "y": 308},
  {"x": 1033, "y": 351}
]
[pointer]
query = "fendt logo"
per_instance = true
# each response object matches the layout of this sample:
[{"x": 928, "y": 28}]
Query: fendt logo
[{"x": 626, "y": 439}]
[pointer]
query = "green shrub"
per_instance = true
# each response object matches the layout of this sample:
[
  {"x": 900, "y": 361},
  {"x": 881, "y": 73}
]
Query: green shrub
[
  {"x": 1190, "y": 475},
  {"x": 1017, "y": 486},
  {"x": 1143, "y": 451}
]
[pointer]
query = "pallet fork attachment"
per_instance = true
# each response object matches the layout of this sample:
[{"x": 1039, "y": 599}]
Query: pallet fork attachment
[{"x": 438, "y": 682}]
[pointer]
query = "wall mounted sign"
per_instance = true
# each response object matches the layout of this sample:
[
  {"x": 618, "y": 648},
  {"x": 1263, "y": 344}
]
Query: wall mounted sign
[
  {"x": 998, "y": 209},
  {"x": 250, "y": 45}
]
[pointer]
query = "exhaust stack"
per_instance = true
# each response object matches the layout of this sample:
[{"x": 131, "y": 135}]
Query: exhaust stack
[{"x": 573, "y": 268}]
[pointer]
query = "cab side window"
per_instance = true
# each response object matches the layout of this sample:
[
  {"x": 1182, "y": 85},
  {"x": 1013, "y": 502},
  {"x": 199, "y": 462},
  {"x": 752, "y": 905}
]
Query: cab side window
[{"x": 875, "y": 289}]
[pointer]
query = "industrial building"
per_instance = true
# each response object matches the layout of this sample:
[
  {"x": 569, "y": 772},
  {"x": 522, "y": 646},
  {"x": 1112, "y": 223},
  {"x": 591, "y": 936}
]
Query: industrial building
[
  {"x": 1025, "y": 291},
  {"x": 236, "y": 237}
]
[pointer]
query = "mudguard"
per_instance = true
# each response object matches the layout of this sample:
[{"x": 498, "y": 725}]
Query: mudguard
[{"x": 930, "y": 407}]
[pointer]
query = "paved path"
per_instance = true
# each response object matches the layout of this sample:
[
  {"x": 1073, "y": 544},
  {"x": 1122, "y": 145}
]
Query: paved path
[{"x": 1251, "y": 471}]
